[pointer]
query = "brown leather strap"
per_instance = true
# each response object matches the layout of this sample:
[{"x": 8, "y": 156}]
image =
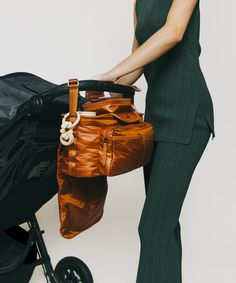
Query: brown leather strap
[{"x": 73, "y": 93}]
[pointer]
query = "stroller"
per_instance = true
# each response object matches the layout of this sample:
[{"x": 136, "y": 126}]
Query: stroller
[{"x": 28, "y": 154}]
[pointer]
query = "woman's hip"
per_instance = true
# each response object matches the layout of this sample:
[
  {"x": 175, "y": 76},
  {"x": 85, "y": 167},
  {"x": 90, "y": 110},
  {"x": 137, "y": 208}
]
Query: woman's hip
[{"x": 172, "y": 160}]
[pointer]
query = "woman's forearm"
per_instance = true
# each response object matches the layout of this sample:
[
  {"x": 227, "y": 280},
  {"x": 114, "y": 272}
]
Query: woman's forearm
[
  {"x": 154, "y": 47},
  {"x": 130, "y": 78}
]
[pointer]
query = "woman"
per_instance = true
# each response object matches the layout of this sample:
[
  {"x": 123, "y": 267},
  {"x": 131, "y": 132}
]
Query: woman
[{"x": 166, "y": 49}]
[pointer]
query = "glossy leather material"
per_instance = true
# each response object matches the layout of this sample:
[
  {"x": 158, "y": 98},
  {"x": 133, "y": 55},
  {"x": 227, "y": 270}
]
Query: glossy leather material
[
  {"x": 81, "y": 202},
  {"x": 113, "y": 142},
  {"x": 127, "y": 143},
  {"x": 108, "y": 105}
]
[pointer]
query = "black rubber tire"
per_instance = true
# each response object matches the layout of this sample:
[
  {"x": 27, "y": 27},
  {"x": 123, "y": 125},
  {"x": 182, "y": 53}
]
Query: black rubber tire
[{"x": 73, "y": 270}]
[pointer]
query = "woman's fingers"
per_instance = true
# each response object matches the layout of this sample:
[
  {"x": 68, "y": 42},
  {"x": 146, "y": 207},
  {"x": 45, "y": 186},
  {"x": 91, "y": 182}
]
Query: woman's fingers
[
  {"x": 94, "y": 95},
  {"x": 136, "y": 88}
]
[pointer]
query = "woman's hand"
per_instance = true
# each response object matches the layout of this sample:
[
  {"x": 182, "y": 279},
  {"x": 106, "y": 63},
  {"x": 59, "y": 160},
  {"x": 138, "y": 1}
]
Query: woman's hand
[
  {"x": 94, "y": 95},
  {"x": 109, "y": 77}
]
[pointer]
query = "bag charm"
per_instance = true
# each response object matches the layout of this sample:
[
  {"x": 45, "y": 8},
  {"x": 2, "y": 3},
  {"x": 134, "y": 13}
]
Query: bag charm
[{"x": 67, "y": 137}]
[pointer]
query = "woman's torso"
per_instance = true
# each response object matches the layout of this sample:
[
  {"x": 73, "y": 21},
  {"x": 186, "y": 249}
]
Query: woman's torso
[{"x": 176, "y": 84}]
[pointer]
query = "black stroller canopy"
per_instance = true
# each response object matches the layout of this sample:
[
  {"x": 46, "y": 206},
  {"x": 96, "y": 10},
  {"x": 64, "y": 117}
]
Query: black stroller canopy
[
  {"x": 28, "y": 141},
  {"x": 16, "y": 89}
]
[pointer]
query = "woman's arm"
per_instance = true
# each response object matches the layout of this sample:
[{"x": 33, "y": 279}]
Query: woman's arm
[
  {"x": 132, "y": 77},
  {"x": 159, "y": 43},
  {"x": 127, "y": 79},
  {"x": 170, "y": 34}
]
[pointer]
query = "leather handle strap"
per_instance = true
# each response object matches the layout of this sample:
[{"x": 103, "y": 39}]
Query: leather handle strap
[{"x": 73, "y": 85}]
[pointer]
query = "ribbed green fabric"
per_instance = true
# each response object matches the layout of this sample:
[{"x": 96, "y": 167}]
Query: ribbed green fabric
[
  {"x": 176, "y": 84},
  {"x": 167, "y": 177}
]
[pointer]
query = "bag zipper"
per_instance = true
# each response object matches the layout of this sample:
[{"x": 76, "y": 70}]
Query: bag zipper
[
  {"x": 104, "y": 151},
  {"x": 130, "y": 126},
  {"x": 131, "y": 137},
  {"x": 105, "y": 143}
]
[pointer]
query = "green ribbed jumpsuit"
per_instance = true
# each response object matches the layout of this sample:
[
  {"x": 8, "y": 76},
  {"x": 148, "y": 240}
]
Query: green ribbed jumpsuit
[{"x": 179, "y": 105}]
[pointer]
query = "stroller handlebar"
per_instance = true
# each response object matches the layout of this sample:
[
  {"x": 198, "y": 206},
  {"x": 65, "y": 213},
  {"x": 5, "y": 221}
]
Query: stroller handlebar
[
  {"x": 37, "y": 101},
  {"x": 105, "y": 86}
]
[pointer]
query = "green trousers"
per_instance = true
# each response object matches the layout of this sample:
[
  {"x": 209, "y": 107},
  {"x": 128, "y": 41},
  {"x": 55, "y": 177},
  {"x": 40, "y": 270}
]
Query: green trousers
[{"x": 167, "y": 177}]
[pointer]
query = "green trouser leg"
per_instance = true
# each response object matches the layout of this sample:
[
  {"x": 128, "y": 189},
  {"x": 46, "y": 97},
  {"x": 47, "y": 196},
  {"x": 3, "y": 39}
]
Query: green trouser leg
[{"x": 167, "y": 177}]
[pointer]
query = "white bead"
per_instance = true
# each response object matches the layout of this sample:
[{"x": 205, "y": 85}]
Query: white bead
[
  {"x": 69, "y": 139},
  {"x": 66, "y": 124},
  {"x": 65, "y": 136}
]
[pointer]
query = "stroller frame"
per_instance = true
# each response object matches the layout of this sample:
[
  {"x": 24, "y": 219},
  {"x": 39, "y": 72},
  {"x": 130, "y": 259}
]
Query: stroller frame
[
  {"x": 69, "y": 267},
  {"x": 44, "y": 258}
]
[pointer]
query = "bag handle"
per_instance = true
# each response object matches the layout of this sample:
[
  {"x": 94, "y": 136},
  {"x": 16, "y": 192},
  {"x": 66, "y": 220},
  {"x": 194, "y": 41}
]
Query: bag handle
[{"x": 73, "y": 85}]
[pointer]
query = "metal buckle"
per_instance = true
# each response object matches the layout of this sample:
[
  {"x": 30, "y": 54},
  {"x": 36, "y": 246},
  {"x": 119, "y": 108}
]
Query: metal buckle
[{"x": 73, "y": 83}]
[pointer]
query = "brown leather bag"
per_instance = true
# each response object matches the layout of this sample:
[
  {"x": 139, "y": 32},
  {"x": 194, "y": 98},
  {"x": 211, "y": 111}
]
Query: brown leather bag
[
  {"x": 128, "y": 145},
  {"x": 114, "y": 141}
]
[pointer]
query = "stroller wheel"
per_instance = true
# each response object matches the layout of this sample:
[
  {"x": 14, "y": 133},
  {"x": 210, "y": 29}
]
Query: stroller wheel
[{"x": 73, "y": 270}]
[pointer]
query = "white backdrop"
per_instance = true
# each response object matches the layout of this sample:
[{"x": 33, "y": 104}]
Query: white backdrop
[{"x": 58, "y": 40}]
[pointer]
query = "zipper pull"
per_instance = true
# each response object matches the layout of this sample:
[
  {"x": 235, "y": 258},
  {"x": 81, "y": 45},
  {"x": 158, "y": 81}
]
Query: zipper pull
[{"x": 104, "y": 153}]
